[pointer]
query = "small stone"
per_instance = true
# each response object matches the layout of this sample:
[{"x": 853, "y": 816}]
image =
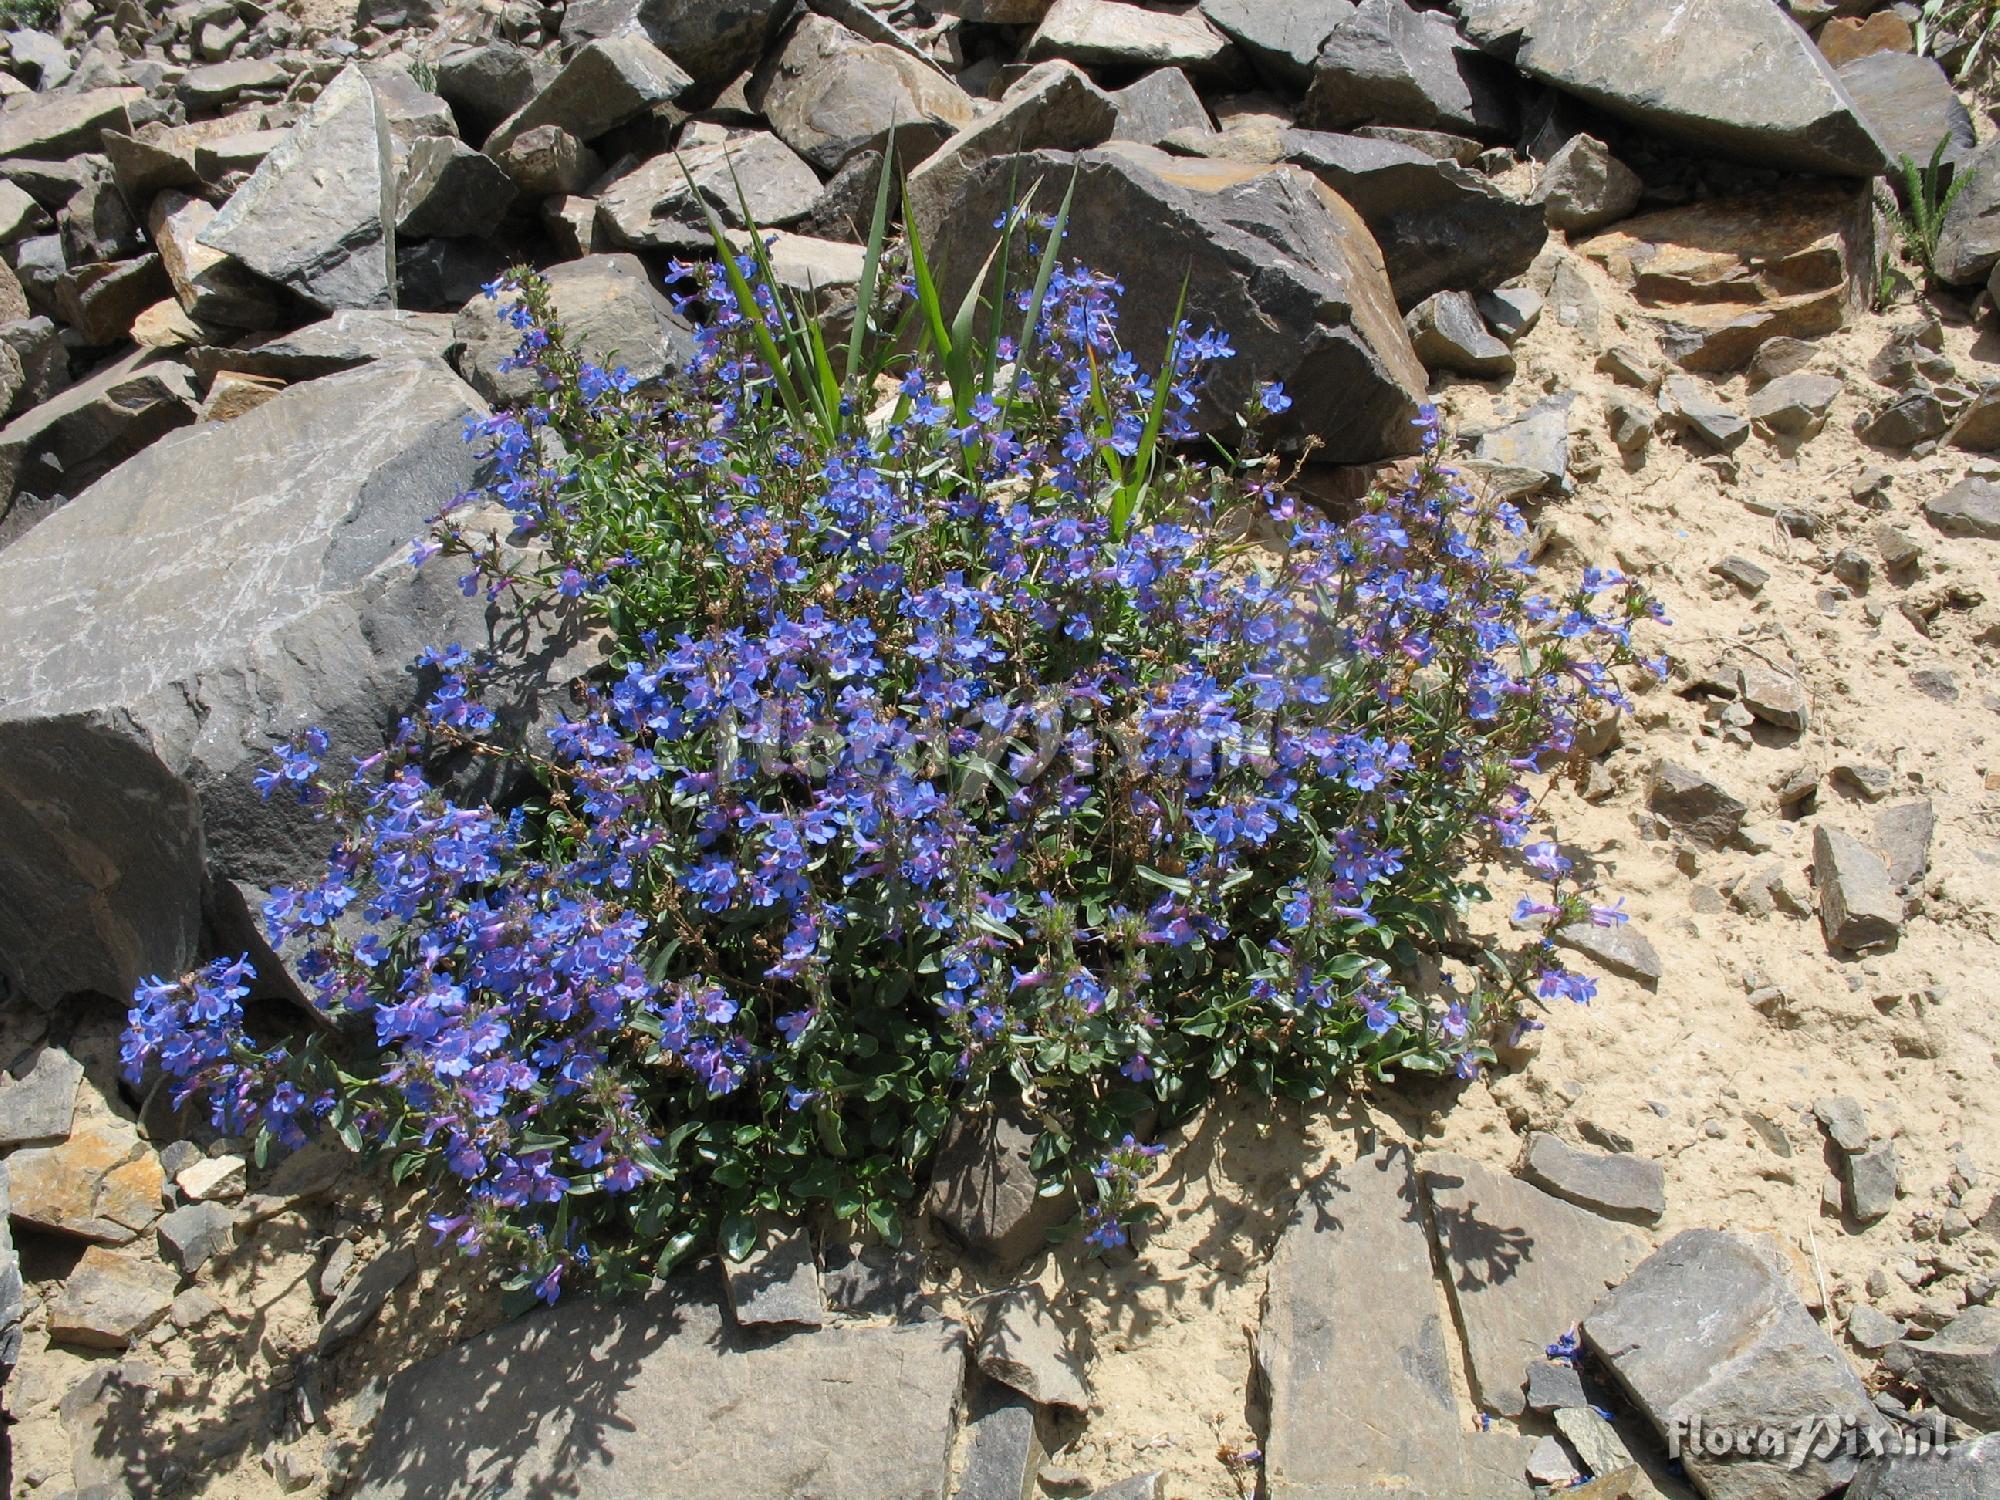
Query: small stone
[
  {"x": 222, "y": 1178},
  {"x": 876, "y": 1281},
  {"x": 1958, "y": 1367},
  {"x": 1852, "y": 567},
  {"x": 1551, "y": 1386},
  {"x": 984, "y": 1191},
  {"x": 1742, "y": 572},
  {"x": 1778, "y": 698},
  {"x": 1903, "y": 424},
  {"x": 192, "y": 1308},
  {"x": 778, "y": 1281},
  {"x": 111, "y": 1299},
  {"x": 1858, "y": 906},
  {"x": 1795, "y": 405},
  {"x": 1903, "y": 833},
  {"x": 1022, "y": 1347},
  {"x": 1870, "y": 1329},
  {"x": 103, "y": 1183},
  {"x": 1511, "y": 312},
  {"x": 1970, "y": 508},
  {"x": 1715, "y": 424},
  {"x": 1631, "y": 423},
  {"x": 1778, "y": 357},
  {"x": 1551, "y": 1464},
  {"x": 1448, "y": 333},
  {"x": 1620, "y": 949},
  {"x": 1594, "y": 1440},
  {"x": 1138, "y": 1487},
  {"x": 362, "y": 1296},
  {"x": 1707, "y": 814},
  {"x": 1870, "y": 1179},
  {"x": 192, "y": 1236},
  {"x": 1585, "y": 187},
  {"x": 1614, "y": 1184},
  {"x": 39, "y": 1104},
  {"x": 1844, "y": 1121},
  {"x": 1629, "y": 366},
  {"x": 1002, "y": 1445}
]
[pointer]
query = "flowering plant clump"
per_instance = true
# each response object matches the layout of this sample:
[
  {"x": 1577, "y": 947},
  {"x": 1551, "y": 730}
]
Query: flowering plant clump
[{"x": 967, "y": 739}]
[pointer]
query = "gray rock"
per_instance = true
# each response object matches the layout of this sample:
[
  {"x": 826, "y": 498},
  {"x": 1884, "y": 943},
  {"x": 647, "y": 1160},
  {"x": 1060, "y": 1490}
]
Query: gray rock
[
  {"x": 1352, "y": 1351},
  {"x": 1680, "y": 71},
  {"x": 110, "y": 1299},
  {"x": 1970, "y": 1471},
  {"x": 211, "y": 287},
  {"x": 263, "y": 584},
  {"x": 97, "y": 224},
  {"x": 1915, "y": 418},
  {"x": 1910, "y": 104},
  {"x": 1518, "y": 1264},
  {"x": 830, "y": 94},
  {"x": 57, "y": 127},
  {"x": 1053, "y": 105},
  {"x": 56, "y": 450},
  {"x": 779, "y": 1281},
  {"x": 1551, "y": 1464},
  {"x": 486, "y": 82},
  {"x": 655, "y": 206},
  {"x": 1448, "y": 334},
  {"x": 1108, "y": 34},
  {"x": 21, "y": 215},
  {"x": 349, "y": 339},
  {"x": 13, "y": 1298},
  {"x": 1702, "y": 810},
  {"x": 1620, "y": 949},
  {"x": 1776, "y": 698},
  {"x": 1439, "y": 226},
  {"x": 1958, "y": 1367},
  {"x": 1551, "y": 1386},
  {"x": 635, "y": 1402},
  {"x": 610, "y": 311},
  {"x": 602, "y": 86},
  {"x": 714, "y": 40},
  {"x": 1970, "y": 508},
  {"x": 1585, "y": 187},
  {"x": 1844, "y": 1121},
  {"x": 1872, "y": 1330},
  {"x": 1157, "y": 106},
  {"x": 1715, "y": 424},
  {"x": 1537, "y": 441},
  {"x": 450, "y": 189},
  {"x": 1388, "y": 63},
  {"x": 319, "y": 214},
  {"x": 1138, "y": 1487},
  {"x": 984, "y": 1192},
  {"x": 1742, "y": 572},
  {"x": 1593, "y": 1440},
  {"x": 1257, "y": 239},
  {"x": 219, "y": 85},
  {"x": 1795, "y": 405},
  {"x": 1870, "y": 1180},
  {"x": 1968, "y": 245},
  {"x": 548, "y": 161},
  {"x": 1003, "y": 1448},
  {"x": 876, "y": 1281},
  {"x": 47, "y": 60},
  {"x": 1511, "y": 311},
  {"x": 1977, "y": 428},
  {"x": 1903, "y": 833},
  {"x": 192, "y": 1236},
  {"x": 1022, "y": 1347},
  {"x": 361, "y": 1297},
  {"x": 1282, "y": 38},
  {"x": 1709, "y": 1330},
  {"x": 1858, "y": 906},
  {"x": 38, "y": 1104},
  {"x": 1615, "y": 1184},
  {"x": 1778, "y": 357}
]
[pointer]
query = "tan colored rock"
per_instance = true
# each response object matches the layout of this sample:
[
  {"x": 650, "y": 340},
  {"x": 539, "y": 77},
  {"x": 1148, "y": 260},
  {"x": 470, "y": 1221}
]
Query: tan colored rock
[
  {"x": 1719, "y": 278},
  {"x": 211, "y": 286},
  {"x": 165, "y": 325},
  {"x": 111, "y": 1299},
  {"x": 233, "y": 393},
  {"x": 1845, "y": 38},
  {"x": 103, "y": 1183}
]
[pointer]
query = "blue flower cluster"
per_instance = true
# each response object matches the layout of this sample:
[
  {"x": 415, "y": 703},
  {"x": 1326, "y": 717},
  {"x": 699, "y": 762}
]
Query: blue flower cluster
[{"x": 923, "y": 777}]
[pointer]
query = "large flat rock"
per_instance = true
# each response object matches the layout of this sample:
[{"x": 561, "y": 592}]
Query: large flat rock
[
  {"x": 227, "y": 587},
  {"x": 1272, "y": 255},
  {"x": 1523, "y": 1267},
  {"x": 667, "y": 1399},
  {"x": 1353, "y": 1352},
  {"x": 1738, "y": 78}
]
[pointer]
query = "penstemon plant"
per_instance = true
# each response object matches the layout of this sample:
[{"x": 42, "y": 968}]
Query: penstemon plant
[{"x": 973, "y": 735}]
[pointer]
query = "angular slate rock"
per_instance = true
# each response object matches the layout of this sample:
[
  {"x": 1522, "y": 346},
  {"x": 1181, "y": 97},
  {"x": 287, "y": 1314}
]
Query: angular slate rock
[
  {"x": 876, "y": 1281},
  {"x": 1053, "y": 105},
  {"x": 984, "y": 1192},
  {"x": 211, "y": 287},
  {"x": 1111, "y": 34},
  {"x": 319, "y": 213},
  {"x": 608, "y": 307},
  {"x": 215, "y": 594},
  {"x": 830, "y": 94},
  {"x": 1970, "y": 1471},
  {"x": 1352, "y": 1351},
  {"x": 38, "y": 1104},
  {"x": 349, "y": 339},
  {"x": 361, "y": 1296},
  {"x": 1022, "y": 1346},
  {"x": 1277, "y": 258},
  {"x": 1910, "y": 103},
  {"x": 1709, "y": 1330},
  {"x": 1282, "y": 38},
  {"x": 1903, "y": 833},
  {"x": 1858, "y": 906},
  {"x": 1390, "y": 64},
  {"x": 1621, "y": 949},
  {"x": 195, "y": 1234},
  {"x": 486, "y": 82},
  {"x": 1795, "y": 405},
  {"x": 1701, "y": 809},
  {"x": 778, "y": 1282},
  {"x": 13, "y": 1298},
  {"x": 110, "y": 1299},
  {"x": 1157, "y": 106},
  {"x": 1003, "y": 1448},
  {"x": 1439, "y": 226},
  {"x": 1870, "y": 1180},
  {"x": 1968, "y": 246},
  {"x": 102, "y": 1183},
  {"x": 1958, "y": 1367},
  {"x": 1970, "y": 508},
  {"x": 1448, "y": 334},
  {"x": 450, "y": 189},
  {"x": 602, "y": 86},
  {"x": 1737, "y": 78},
  {"x": 57, "y": 127},
  {"x": 1615, "y": 1184},
  {"x": 1585, "y": 187},
  {"x": 654, "y": 207},
  {"x": 1522, "y": 1267},
  {"x": 652, "y": 1399},
  {"x": 713, "y": 40}
]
